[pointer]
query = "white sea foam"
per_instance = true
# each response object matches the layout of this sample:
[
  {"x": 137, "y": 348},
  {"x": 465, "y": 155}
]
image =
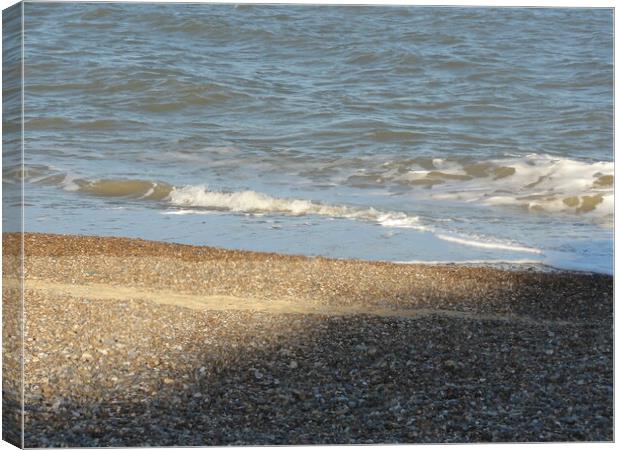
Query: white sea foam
[
  {"x": 253, "y": 202},
  {"x": 399, "y": 220},
  {"x": 536, "y": 182},
  {"x": 68, "y": 183},
  {"x": 490, "y": 244},
  {"x": 148, "y": 193}
]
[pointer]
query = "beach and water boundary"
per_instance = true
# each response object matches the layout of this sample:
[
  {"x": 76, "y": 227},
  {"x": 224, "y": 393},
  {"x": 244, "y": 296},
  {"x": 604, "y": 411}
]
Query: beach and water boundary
[{"x": 299, "y": 152}]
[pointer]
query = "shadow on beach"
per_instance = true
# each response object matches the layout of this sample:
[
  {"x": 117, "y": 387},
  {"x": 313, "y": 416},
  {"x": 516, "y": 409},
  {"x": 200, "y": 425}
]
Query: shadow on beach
[
  {"x": 127, "y": 372},
  {"x": 340, "y": 380}
]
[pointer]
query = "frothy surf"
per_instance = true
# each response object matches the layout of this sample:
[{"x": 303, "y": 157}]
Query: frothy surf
[
  {"x": 489, "y": 244},
  {"x": 256, "y": 202},
  {"x": 533, "y": 182}
]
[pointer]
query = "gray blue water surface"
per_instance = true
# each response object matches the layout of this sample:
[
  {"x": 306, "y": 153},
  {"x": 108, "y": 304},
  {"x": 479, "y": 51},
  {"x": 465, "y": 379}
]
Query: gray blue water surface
[{"x": 376, "y": 132}]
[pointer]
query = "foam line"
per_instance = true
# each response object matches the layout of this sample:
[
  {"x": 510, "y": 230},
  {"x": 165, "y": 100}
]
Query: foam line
[
  {"x": 259, "y": 203},
  {"x": 489, "y": 245}
]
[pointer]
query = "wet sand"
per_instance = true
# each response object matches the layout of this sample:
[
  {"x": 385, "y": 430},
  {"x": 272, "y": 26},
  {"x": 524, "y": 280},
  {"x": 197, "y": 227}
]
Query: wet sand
[{"x": 130, "y": 342}]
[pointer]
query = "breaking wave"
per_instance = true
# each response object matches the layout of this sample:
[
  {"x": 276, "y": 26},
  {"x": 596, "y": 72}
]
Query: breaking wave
[
  {"x": 533, "y": 182},
  {"x": 199, "y": 198},
  {"x": 257, "y": 202}
]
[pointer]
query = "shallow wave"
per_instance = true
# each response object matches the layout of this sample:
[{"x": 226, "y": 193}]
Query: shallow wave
[
  {"x": 257, "y": 202},
  {"x": 198, "y": 199},
  {"x": 531, "y": 183}
]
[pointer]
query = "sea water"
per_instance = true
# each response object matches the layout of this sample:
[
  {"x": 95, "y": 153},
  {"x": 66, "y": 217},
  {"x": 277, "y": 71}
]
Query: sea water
[{"x": 373, "y": 132}]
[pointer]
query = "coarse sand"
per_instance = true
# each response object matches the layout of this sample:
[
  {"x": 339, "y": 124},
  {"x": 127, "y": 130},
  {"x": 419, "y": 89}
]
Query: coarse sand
[{"x": 129, "y": 342}]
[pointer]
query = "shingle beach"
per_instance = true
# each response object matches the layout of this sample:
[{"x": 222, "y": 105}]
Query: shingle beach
[{"x": 130, "y": 342}]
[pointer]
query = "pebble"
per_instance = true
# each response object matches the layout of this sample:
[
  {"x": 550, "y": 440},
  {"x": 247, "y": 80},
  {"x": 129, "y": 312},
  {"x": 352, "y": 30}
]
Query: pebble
[{"x": 435, "y": 378}]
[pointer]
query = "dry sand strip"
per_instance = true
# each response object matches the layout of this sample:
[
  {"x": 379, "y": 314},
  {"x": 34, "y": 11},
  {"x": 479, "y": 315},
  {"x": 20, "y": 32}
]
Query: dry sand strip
[{"x": 98, "y": 291}]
